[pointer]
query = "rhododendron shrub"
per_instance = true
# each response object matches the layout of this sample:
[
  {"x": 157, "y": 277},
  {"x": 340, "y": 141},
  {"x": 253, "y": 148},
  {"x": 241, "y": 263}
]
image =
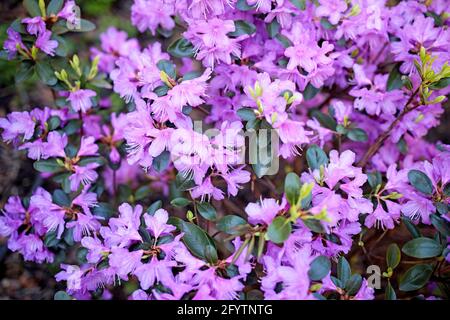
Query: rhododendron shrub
[{"x": 239, "y": 149}]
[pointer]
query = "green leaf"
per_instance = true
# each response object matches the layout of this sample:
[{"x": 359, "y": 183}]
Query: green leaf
[
  {"x": 104, "y": 210},
  {"x": 420, "y": 181},
  {"x": 24, "y": 72},
  {"x": 246, "y": 114},
  {"x": 411, "y": 227},
  {"x": 353, "y": 284},
  {"x": 46, "y": 73},
  {"x": 184, "y": 181},
  {"x": 142, "y": 193},
  {"x": 441, "y": 84},
  {"x": 60, "y": 198},
  {"x": 62, "y": 50},
  {"x": 49, "y": 165},
  {"x": 390, "y": 293},
  {"x": 32, "y": 7},
  {"x": 181, "y": 48},
  {"x": 207, "y": 211},
  {"x": 314, "y": 225},
  {"x": 446, "y": 190},
  {"x": 316, "y": 157},
  {"x": 393, "y": 256},
  {"x": 154, "y": 207},
  {"x": 242, "y": 27},
  {"x": 195, "y": 239},
  {"x": 279, "y": 230},
  {"x": 415, "y": 277},
  {"x": 54, "y": 6},
  {"x": 310, "y": 92},
  {"x": 87, "y": 160},
  {"x": 284, "y": 41},
  {"x": 231, "y": 224},
  {"x": 357, "y": 134},
  {"x": 273, "y": 28},
  {"x": 325, "y": 120},
  {"x": 326, "y": 24},
  {"x": 53, "y": 123},
  {"x": 51, "y": 240},
  {"x": 441, "y": 225},
  {"x": 343, "y": 270},
  {"x": 243, "y": 6},
  {"x": 319, "y": 268},
  {"x": 422, "y": 248},
  {"x": 161, "y": 162},
  {"x": 374, "y": 179},
  {"x": 211, "y": 254},
  {"x": 85, "y": 26},
  {"x": 72, "y": 126},
  {"x": 300, "y": 4},
  {"x": 395, "y": 79},
  {"x": 168, "y": 67},
  {"x": 292, "y": 187},
  {"x": 62, "y": 295},
  {"x": 180, "y": 202}
]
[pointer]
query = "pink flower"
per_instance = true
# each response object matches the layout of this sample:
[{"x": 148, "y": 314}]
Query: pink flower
[
  {"x": 44, "y": 43},
  {"x": 81, "y": 99}
]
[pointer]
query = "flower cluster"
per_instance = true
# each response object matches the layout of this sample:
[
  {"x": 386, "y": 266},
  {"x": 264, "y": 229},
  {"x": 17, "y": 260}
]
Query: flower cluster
[{"x": 268, "y": 140}]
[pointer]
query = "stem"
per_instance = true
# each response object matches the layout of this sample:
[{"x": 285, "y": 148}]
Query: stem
[{"x": 380, "y": 140}]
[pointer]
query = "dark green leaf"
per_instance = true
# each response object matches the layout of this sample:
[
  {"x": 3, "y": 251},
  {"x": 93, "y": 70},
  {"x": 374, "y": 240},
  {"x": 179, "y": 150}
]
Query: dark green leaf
[
  {"x": 24, "y": 72},
  {"x": 314, "y": 225},
  {"x": 142, "y": 193},
  {"x": 300, "y": 4},
  {"x": 390, "y": 293},
  {"x": 85, "y": 26},
  {"x": 49, "y": 165},
  {"x": 181, "y": 48},
  {"x": 343, "y": 270},
  {"x": 415, "y": 277},
  {"x": 441, "y": 84},
  {"x": 51, "y": 240},
  {"x": 446, "y": 190},
  {"x": 243, "y": 6},
  {"x": 374, "y": 179},
  {"x": 319, "y": 268},
  {"x": 326, "y": 24},
  {"x": 87, "y": 160},
  {"x": 316, "y": 157},
  {"x": 62, "y": 295},
  {"x": 420, "y": 181},
  {"x": 154, "y": 207},
  {"x": 357, "y": 134},
  {"x": 168, "y": 67},
  {"x": 61, "y": 198},
  {"x": 292, "y": 187},
  {"x": 242, "y": 27},
  {"x": 353, "y": 284},
  {"x": 324, "y": 119},
  {"x": 422, "y": 248},
  {"x": 395, "y": 79},
  {"x": 273, "y": 28},
  {"x": 32, "y": 7},
  {"x": 211, "y": 254},
  {"x": 246, "y": 114},
  {"x": 279, "y": 230},
  {"x": 411, "y": 227},
  {"x": 194, "y": 237},
  {"x": 230, "y": 224},
  {"x": 180, "y": 202},
  {"x": 54, "y": 6},
  {"x": 46, "y": 73},
  {"x": 393, "y": 256},
  {"x": 207, "y": 211},
  {"x": 161, "y": 162},
  {"x": 283, "y": 40},
  {"x": 184, "y": 181},
  {"x": 310, "y": 92},
  {"x": 441, "y": 225},
  {"x": 53, "y": 123},
  {"x": 104, "y": 210}
]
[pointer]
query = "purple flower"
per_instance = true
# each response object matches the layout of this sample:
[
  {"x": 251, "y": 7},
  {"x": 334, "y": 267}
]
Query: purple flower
[
  {"x": 44, "y": 43},
  {"x": 263, "y": 212},
  {"x": 13, "y": 41},
  {"x": 35, "y": 25},
  {"x": 151, "y": 14},
  {"x": 17, "y": 124},
  {"x": 81, "y": 99}
]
